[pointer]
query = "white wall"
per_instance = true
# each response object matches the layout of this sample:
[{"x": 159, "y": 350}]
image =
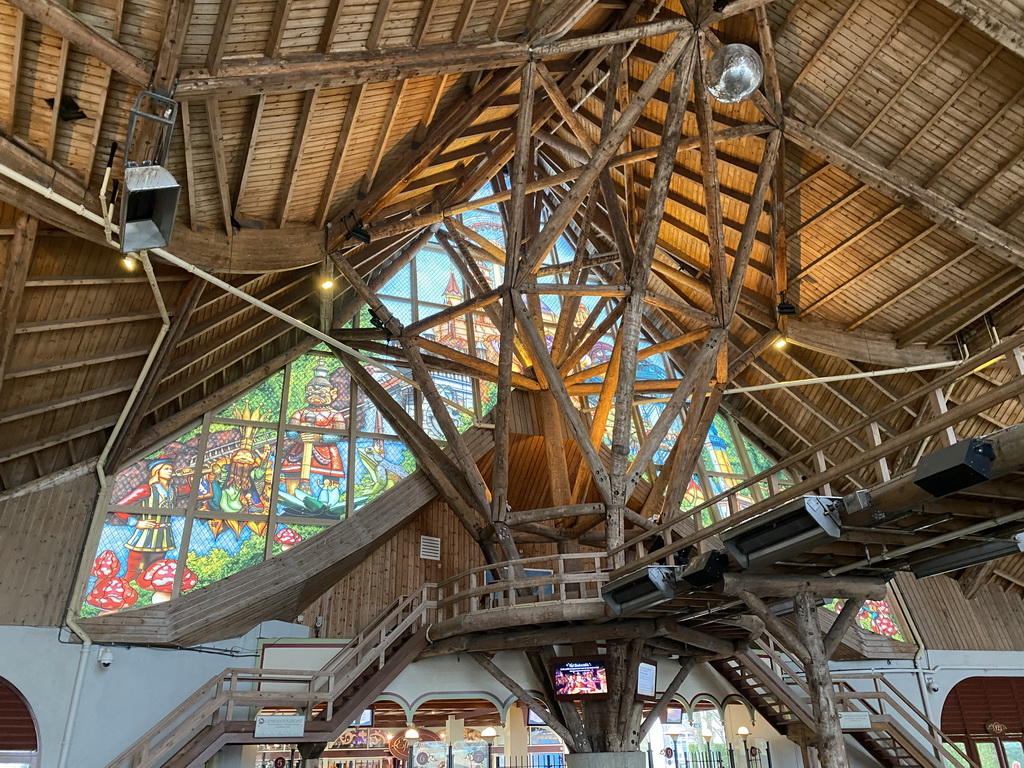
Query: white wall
[{"x": 119, "y": 703}]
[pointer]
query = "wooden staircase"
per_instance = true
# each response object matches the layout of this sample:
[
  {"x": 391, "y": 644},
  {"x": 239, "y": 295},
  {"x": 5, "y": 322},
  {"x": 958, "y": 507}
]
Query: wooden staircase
[
  {"x": 223, "y": 711},
  {"x": 900, "y": 736}
]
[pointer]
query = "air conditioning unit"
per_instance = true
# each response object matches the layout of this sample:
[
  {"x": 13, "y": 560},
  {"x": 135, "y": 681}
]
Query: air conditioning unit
[
  {"x": 640, "y": 590},
  {"x": 965, "y": 558},
  {"x": 797, "y": 526}
]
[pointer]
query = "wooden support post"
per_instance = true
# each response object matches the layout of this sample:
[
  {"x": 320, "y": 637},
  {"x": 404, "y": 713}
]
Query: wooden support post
[
  {"x": 534, "y": 704},
  {"x": 831, "y": 743},
  {"x": 685, "y": 668},
  {"x": 843, "y": 623},
  {"x": 938, "y": 401}
]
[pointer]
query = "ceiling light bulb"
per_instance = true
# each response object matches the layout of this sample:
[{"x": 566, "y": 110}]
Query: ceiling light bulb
[
  {"x": 128, "y": 262},
  {"x": 327, "y": 284},
  {"x": 412, "y": 733},
  {"x": 780, "y": 343}
]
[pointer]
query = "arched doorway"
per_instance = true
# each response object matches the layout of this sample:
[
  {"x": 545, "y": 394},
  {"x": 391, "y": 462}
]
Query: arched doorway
[
  {"x": 984, "y": 716},
  {"x": 19, "y": 742}
]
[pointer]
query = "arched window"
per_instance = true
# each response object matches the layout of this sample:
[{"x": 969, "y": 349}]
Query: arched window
[{"x": 19, "y": 742}]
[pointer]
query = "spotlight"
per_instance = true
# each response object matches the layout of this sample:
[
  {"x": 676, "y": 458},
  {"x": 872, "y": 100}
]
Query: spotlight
[
  {"x": 781, "y": 343},
  {"x": 785, "y": 307},
  {"x": 128, "y": 262},
  {"x": 955, "y": 467},
  {"x": 327, "y": 284},
  {"x": 355, "y": 228}
]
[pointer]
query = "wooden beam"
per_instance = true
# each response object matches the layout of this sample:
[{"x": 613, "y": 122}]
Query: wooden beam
[
  {"x": 156, "y": 372},
  {"x": 301, "y": 134},
  {"x": 901, "y": 189},
  {"x": 382, "y": 138},
  {"x": 992, "y": 19},
  {"x": 253, "y": 76},
  {"x": 685, "y": 668},
  {"x": 68, "y": 26},
  {"x": 535, "y": 705},
  {"x": 220, "y": 169},
  {"x": 219, "y": 39},
  {"x": 355, "y": 99},
  {"x": 843, "y": 624},
  {"x": 15, "y": 261}
]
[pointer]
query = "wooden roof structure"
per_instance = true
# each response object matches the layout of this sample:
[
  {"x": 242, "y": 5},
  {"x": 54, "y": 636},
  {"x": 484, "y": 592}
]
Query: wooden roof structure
[{"x": 873, "y": 183}]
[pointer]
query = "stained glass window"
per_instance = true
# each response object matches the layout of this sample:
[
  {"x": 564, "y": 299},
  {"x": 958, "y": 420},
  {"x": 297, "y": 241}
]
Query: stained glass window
[
  {"x": 876, "y": 616},
  {"x": 296, "y": 454}
]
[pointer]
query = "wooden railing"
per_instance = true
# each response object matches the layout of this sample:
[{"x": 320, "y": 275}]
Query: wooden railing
[
  {"x": 235, "y": 694},
  {"x": 884, "y": 699},
  {"x": 687, "y": 527},
  {"x": 572, "y": 578}
]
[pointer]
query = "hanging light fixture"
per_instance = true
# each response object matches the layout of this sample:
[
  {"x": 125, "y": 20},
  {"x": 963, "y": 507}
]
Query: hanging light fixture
[
  {"x": 412, "y": 734},
  {"x": 734, "y": 73}
]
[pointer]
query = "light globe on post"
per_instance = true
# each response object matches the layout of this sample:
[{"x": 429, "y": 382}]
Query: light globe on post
[
  {"x": 707, "y": 735},
  {"x": 734, "y": 73},
  {"x": 744, "y": 733},
  {"x": 489, "y": 734},
  {"x": 411, "y": 736}
]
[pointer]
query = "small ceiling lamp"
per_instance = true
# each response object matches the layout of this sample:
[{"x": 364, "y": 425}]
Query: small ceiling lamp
[
  {"x": 734, "y": 73},
  {"x": 327, "y": 283},
  {"x": 412, "y": 734},
  {"x": 128, "y": 262},
  {"x": 781, "y": 343}
]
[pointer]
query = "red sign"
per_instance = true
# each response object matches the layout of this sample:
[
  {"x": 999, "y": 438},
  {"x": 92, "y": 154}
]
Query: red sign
[{"x": 278, "y": 762}]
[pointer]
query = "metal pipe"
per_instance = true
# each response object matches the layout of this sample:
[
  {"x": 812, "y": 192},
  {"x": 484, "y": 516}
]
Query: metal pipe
[
  {"x": 845, "y": 377},
  {"x": 98, "y": 511}
]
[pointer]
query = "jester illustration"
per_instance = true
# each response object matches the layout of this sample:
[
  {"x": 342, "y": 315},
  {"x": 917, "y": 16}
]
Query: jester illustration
[
  {"x": 314, "y": 453},
  {"x": 153, "y": 537}
]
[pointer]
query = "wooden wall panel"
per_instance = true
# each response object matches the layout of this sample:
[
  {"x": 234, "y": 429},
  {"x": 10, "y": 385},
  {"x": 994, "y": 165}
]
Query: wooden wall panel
[
  {"x": 43, "y": 528},
  {"x": 946, "y": 620},
  {"x": 395, "y": 569}
]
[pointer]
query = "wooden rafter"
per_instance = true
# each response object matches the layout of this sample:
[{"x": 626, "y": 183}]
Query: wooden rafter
[{"x": 14, "y": 268}]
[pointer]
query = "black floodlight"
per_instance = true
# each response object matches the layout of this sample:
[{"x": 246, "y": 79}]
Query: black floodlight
[{"x": 955, "y": 467}]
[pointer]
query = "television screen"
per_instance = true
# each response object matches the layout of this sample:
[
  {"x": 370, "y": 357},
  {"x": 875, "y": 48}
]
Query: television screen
[
  {"x": 647, "y": 681},
  {"x": 578, "y": 678},
  {"x": 365, "y": 719},
  {"x": 673, "y": 715}
]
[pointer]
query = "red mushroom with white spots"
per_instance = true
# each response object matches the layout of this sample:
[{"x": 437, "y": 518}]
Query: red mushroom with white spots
[
  {"x": 112, "y": 594},
  {"x": 106, "y": 565},
  {"x": 287, "y": 538},
  {"x": 159, "y": 577}
]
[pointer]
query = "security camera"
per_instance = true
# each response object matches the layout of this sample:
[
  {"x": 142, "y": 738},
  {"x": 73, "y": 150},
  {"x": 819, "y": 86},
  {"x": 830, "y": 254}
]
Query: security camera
[{"x": 106, "y": 658}]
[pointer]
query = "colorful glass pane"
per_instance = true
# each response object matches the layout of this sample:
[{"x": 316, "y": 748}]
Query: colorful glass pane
[
  {"x": 875, "y": 616},
  {"x": 380, "y": 465}
]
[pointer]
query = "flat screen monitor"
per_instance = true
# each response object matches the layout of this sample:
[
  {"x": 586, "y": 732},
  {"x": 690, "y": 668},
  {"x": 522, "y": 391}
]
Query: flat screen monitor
[
  {"x": 647, "y": 681},
  {"x": 580, "y": 678},
  {"x": 365, "y": 719}
]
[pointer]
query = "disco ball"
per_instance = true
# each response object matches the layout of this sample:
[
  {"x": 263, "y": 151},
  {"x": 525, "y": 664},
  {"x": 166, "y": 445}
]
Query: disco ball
[{"x": 734, "y": 73}]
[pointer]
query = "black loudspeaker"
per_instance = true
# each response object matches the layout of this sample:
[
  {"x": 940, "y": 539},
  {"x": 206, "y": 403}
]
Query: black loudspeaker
[
  {"x": 954, "y": 468},
  {"x": 705, "y": 570}
]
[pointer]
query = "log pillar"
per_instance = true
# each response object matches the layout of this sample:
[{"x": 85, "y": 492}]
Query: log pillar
[{"x": 830, "y": 742}]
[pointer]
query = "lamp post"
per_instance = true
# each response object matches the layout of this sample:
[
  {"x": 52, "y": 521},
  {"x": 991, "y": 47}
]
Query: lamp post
[
  {"x": 488, "y": 734},
  {"x": 707, "y": 735},
  {"x": 411, "y": 737},
  {"x": 744, "y": 733}
]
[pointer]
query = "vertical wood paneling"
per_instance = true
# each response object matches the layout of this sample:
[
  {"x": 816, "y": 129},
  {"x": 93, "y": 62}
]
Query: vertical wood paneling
[{"x": 43, "y": 529}]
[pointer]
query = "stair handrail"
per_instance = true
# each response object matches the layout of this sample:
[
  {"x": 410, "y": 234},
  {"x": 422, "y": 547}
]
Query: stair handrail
[
  {"x": 903, "y": 707},
  {"x": 203, "y": 706}
]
